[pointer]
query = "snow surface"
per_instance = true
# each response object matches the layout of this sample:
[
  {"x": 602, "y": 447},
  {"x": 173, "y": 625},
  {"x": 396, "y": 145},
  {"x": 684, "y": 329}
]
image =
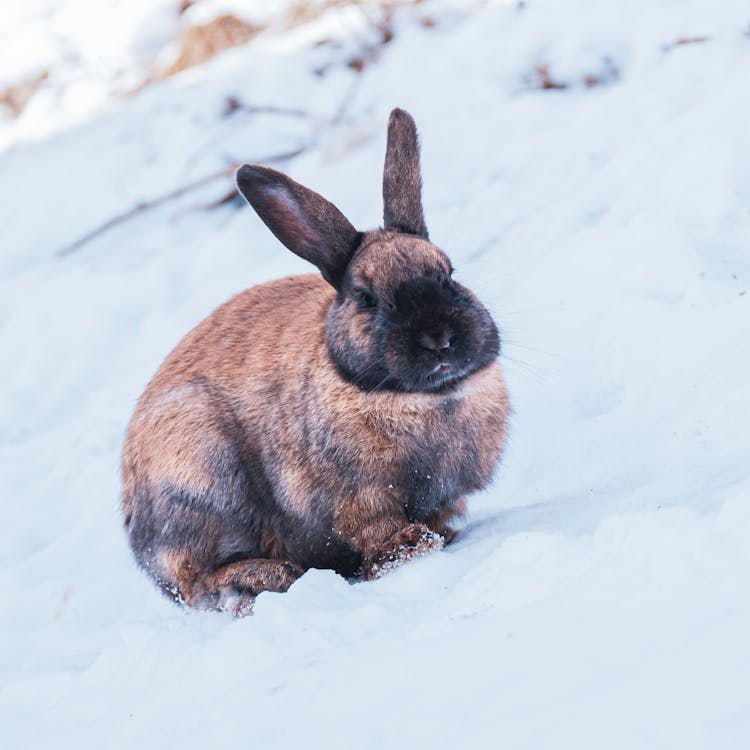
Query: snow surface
[{"x": 598, "y": 595}]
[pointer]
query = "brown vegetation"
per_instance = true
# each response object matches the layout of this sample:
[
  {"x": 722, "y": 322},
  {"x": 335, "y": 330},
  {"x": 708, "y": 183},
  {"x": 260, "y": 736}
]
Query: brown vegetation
[
  {"x": 196, "y": 44},
  {"x": 544, "y": 79},
  {"x": 686, "y": 40},
  {"x": 305, "y": 11},
  {"x": 16, "y": 97},
  {"x": 541, "y": 78}
]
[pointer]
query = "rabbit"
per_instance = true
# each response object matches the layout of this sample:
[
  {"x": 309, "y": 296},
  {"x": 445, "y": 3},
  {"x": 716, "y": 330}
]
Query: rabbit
[{"x": 331, "y": 421}]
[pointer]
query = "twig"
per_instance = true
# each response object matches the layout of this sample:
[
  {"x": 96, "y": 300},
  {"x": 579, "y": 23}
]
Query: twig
[
  {"x": 684, "y": 40},
  {"x": 546, "y": 81},
  {"x": 145, "y": 206},
  {"x": 233, "y": 104}
]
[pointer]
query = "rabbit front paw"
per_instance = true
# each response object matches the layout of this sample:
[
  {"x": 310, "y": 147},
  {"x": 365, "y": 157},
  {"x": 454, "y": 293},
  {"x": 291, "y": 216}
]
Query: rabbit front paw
[{"x": 415, "y": 540}]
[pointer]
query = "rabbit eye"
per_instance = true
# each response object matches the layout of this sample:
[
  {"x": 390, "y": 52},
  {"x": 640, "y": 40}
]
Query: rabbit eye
[{"x": 364, "y": 298}]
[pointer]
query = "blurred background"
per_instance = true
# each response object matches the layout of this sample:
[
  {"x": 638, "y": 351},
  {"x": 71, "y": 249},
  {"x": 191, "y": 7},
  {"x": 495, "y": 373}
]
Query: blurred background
[{"x": 587, "y": 168}]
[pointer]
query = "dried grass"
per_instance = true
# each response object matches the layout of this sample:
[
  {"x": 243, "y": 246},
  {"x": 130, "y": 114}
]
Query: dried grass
[
  {"x": 305, "y": 11},
  {"x": 197, "y": 44},
  {"x": 542, "y": 79},
  {"x": 16, "y": 97}
]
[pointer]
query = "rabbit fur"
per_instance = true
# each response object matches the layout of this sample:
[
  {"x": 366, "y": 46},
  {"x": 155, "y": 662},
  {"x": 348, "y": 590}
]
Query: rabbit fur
[{"x": 333, "y": 420}]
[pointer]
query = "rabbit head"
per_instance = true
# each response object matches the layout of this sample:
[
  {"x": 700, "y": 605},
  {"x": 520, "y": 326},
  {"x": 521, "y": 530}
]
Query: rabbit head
[{"x": 398, "y": 320}]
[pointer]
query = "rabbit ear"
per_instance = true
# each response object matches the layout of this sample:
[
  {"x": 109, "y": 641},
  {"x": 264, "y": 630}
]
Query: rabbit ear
[
  {"x": 304, "y": 221},
  {"x": 402, "y": 181}
]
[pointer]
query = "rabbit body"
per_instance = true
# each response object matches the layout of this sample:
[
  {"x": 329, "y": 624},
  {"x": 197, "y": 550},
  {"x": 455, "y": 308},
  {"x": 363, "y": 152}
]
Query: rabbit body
[{"x": 268, "y": 442}]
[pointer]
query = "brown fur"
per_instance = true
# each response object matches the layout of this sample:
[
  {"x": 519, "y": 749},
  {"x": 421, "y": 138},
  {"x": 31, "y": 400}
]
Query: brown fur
[
  {"x": 402, "y": 178},
  {"x": 250, "y": 458},
  {"x": 258, "y": 353}
]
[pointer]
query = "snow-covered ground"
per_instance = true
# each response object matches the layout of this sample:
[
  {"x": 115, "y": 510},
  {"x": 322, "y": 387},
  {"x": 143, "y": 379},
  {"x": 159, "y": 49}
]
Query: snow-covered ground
[{"x": 599, "y": 595}]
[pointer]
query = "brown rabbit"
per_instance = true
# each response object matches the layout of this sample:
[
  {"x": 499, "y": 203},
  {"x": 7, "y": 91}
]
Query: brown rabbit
[{"x": 309, "y": 422}]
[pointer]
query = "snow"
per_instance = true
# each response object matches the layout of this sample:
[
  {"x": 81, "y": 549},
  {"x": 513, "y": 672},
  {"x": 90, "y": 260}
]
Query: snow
[{"x": 598, "y": 593}]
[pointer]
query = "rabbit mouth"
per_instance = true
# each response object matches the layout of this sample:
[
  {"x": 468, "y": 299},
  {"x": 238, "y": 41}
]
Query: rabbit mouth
[
  {"x": 443, "y": 374},
  {"x": 441, "y": 367}
]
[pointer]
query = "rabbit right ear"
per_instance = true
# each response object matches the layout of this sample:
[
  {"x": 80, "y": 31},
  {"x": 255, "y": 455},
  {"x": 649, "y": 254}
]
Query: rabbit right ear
[
  {"x": 308, "y": 224},
  {"x": 402, "y": 178}
]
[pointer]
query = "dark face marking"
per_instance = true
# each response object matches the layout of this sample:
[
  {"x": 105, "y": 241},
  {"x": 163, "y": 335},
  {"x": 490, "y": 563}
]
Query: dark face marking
[{"x": 400, "y": 322}]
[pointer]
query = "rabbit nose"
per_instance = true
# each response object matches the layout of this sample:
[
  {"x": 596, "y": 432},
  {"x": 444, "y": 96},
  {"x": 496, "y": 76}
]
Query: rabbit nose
[{"x": 436, "y": 342}]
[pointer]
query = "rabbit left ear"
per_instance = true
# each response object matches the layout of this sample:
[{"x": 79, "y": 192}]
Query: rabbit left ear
[
  {"x": 402, "y": 179},
  {"x": 308, "y": 224}
]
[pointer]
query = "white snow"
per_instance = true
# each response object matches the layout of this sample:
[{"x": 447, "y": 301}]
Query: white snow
[{"x": 598, "y": 596}]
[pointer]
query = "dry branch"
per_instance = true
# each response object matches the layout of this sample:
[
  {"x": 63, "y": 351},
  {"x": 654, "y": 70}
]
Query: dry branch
[{"x": 145, "y": 206}]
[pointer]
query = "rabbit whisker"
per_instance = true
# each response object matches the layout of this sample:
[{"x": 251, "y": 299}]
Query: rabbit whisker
[
  {"x": 358, "y": 378},
  {"x": 380, "y": 384}
]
